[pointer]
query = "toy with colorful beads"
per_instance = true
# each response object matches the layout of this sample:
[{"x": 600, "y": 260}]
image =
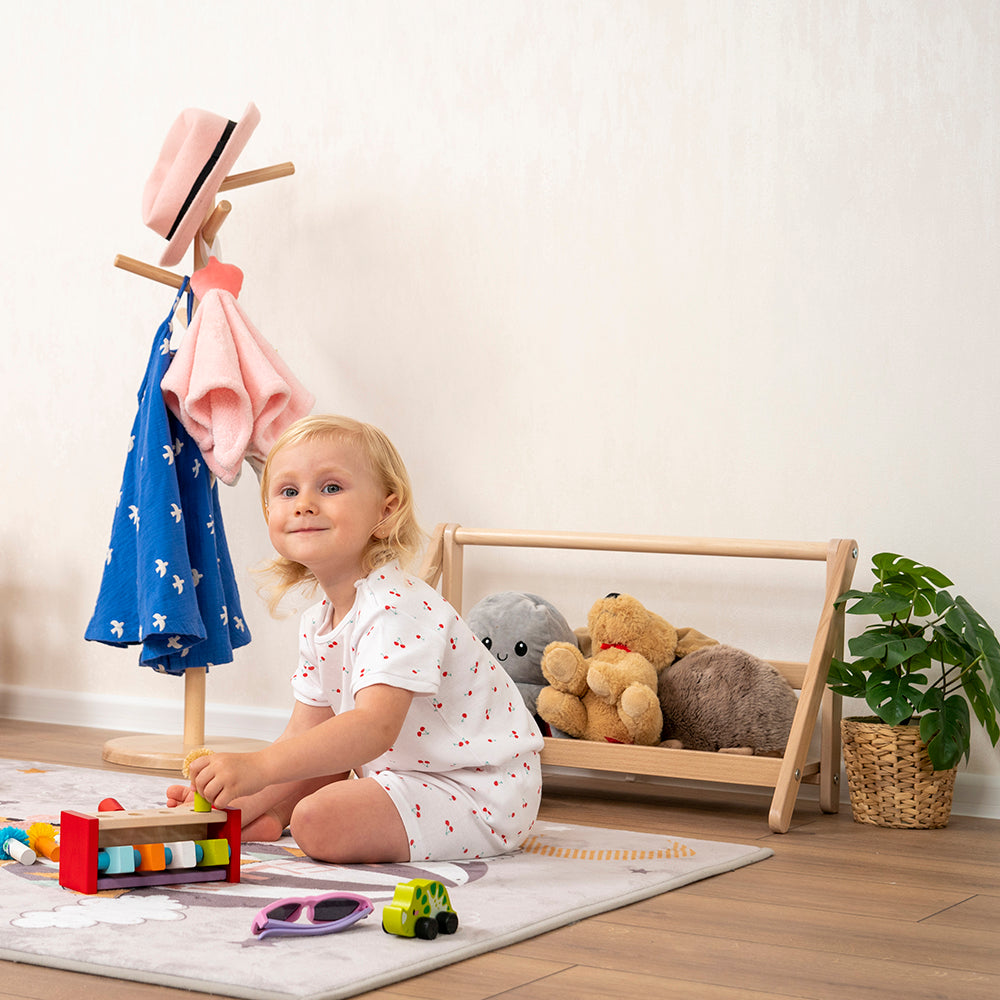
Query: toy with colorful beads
[{"x": 123, "y": 848}]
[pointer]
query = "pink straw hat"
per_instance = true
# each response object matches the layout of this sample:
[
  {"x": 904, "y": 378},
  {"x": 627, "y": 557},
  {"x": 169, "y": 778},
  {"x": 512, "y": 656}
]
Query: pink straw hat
[{"x": 200, "y": 149}]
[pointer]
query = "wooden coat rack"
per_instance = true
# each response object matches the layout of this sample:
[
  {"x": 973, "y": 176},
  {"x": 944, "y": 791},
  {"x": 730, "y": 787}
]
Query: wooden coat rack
[{"x": 168, "y": 752}]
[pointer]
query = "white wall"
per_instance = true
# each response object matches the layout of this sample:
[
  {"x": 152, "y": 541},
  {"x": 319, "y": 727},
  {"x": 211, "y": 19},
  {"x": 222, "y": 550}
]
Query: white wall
[{"x": 677, "y": 267}]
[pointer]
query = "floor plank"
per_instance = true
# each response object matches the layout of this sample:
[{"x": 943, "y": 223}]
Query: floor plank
[{"x": 842, "y": 910}]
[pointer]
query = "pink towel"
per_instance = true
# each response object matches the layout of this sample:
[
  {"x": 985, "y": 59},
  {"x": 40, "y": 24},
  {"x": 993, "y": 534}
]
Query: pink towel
[{"x": 228, "y": 387}]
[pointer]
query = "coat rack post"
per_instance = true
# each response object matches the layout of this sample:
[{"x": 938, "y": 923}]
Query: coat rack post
[{"x": 168, "y": 752}]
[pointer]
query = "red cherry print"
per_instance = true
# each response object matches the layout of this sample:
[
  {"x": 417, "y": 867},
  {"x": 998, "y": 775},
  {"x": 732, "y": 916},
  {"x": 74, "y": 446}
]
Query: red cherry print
[{"x": 421, "y": 731}]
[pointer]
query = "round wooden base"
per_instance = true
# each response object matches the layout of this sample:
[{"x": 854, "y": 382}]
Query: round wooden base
[{"x": 167, "y": 753}]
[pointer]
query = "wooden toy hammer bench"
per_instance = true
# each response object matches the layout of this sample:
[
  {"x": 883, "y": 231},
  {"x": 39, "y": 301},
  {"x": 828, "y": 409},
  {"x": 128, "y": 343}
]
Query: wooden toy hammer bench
[{"x": 443, "y": 564}]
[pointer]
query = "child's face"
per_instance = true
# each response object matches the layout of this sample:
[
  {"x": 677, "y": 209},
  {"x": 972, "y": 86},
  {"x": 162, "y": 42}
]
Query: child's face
[{"x": 323, "y": 507}]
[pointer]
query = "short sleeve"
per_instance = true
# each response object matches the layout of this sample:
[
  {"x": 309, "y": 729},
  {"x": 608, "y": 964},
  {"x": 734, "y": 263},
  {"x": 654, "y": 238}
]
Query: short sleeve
[
  {"x": 307, "y": 685},
  {"x": 398, "y": 649}
]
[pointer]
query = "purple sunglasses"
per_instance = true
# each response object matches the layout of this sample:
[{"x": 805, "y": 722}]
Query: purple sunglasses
[{"x": 333, "y": 911}]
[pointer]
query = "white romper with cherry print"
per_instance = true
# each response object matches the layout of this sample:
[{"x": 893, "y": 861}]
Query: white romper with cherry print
[{"x": 464, "y": 773}]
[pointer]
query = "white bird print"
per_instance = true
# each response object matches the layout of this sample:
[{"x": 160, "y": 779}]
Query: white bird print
[
  {"x": 196, "y": 468},
  {"x": 238, "y": 622},
  {"x": 178, "y": 444},
  {"x": 118, "y": 628},
  {"x": 176, "y": 513},
  {"x": 107, "y": 558},
  {"x": 168, "y": 454},
  {"x": 174, "y": 642},
  {"x": 161, "y": 568},
  {"x": 178, "y": 584},
  {"x": 196, "y": 576},
  {"x": 131, "y": 441},
  {"x": 159, "y": 621},
  {"x": 134, "y": 515},
  {"x": 210, "y": 524},
  {"x": 225, "y": 615},
  {"x": 165, "y": 345}
]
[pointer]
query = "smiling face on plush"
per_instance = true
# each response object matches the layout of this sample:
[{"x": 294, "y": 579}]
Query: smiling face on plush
[{"x": 516, "y": 627}]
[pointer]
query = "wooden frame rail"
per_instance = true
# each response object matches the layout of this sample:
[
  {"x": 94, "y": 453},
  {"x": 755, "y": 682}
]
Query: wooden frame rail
[{"x": 443, "y": 564}]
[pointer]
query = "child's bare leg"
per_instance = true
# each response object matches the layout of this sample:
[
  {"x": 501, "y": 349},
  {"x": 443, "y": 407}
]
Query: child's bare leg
[
  {"x": 350, "y": 822},
  {"x": 270, "y": 824}
]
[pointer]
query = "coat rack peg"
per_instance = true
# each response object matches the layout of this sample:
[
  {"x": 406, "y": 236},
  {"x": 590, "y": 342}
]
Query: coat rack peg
[
  {"x": 214, "y": 222},
  {"x": 257, "y": 176},
  {"x": 149, "y": 271}
]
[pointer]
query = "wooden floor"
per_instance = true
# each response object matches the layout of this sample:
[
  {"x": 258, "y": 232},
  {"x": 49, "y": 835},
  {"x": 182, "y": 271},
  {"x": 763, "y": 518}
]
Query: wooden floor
[{"x": 842, "y": 910}]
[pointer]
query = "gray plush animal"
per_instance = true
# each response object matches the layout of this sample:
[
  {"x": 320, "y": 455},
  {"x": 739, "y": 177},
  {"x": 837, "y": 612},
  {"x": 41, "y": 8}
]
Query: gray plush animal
[
  {"x": 724, "y": 699},
  {"x": 516, "y": 627}
]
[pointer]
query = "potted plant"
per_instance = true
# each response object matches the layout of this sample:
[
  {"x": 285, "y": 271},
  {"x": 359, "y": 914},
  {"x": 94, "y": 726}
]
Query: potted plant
[{"x": 920, "y": 665}]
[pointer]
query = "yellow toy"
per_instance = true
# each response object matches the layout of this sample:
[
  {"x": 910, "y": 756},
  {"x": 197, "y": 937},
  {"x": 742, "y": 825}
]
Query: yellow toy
[
  {"x": 419, "y": 908},
  {"x": 201, "y": 804},
  {"x": 611, "y": 695}
]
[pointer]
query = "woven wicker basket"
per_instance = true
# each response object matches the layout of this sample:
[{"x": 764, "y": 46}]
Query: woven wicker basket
[{"x": 890, "y": 777}]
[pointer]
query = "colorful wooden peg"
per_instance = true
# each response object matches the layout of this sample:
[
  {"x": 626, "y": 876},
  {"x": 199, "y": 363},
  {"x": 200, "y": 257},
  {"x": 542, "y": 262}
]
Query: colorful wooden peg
[
  {"x": 42, "y": 840},
  {"x": 14, "y": 844}
]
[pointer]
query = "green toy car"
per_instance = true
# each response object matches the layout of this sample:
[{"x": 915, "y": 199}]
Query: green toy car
[{"x": 419, "y": 908}]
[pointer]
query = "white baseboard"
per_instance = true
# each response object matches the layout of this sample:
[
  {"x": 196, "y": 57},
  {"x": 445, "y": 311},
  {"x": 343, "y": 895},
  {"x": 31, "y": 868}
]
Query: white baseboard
[
  {"x": 135, "y": 715},
  {"x": 975, "y": 794}
]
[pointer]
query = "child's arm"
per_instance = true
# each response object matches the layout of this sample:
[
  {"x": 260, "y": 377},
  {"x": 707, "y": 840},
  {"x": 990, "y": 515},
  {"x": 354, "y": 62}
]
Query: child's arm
[
  {"x": 303, "y": 718},
  {"x": 333, "y": 746}
]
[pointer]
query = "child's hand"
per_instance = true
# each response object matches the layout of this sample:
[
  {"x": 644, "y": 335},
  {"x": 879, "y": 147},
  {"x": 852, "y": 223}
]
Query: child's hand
[
  {"x": 222, "y": 777},
  {"x": 179, "y": 795}
]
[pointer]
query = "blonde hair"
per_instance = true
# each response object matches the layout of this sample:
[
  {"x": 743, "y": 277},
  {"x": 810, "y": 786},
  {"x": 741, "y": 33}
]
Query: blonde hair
[{"x": 400, "y": 538}]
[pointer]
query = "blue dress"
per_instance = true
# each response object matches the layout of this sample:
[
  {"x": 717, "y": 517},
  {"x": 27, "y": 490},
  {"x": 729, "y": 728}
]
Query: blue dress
[{"x": 168, "y": 580}]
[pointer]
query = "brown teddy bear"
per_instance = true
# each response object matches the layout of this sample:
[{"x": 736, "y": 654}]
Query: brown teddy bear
[{"x": 611, "y": 695}]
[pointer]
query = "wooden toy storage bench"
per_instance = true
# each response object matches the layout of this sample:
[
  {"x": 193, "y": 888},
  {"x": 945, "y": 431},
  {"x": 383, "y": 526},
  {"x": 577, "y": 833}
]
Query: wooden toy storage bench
[{"x": 443, "y": 563}]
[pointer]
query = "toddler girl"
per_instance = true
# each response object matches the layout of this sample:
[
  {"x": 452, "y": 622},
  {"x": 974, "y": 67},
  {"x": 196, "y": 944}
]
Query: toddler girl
[{"x": 391, "y": 684}]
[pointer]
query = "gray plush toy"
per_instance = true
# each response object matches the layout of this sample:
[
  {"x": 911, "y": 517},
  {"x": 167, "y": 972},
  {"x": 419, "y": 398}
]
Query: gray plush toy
[
  {"x": 516, "y": 627},
  {"x": 724, "y": 699}
]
